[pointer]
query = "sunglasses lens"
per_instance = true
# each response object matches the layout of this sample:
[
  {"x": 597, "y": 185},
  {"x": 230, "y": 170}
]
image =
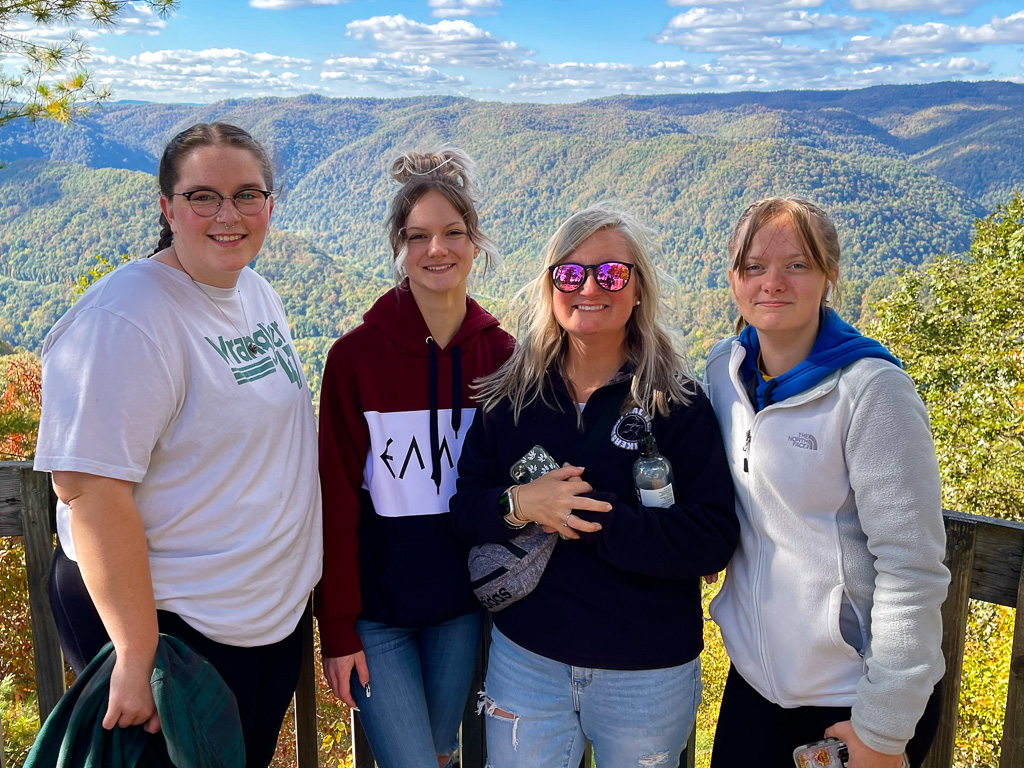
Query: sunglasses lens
[
  {"x": 612, "y": 275},
  {"x": 567, "y": 277}
]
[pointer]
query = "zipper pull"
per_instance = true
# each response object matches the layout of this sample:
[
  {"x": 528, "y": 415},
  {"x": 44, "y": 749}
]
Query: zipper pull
[{"x": 746, "y": 447}]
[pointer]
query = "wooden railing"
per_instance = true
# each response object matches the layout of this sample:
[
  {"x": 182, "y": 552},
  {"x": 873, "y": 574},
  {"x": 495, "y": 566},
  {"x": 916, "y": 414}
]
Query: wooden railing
[{"x": 983, "y": 554}]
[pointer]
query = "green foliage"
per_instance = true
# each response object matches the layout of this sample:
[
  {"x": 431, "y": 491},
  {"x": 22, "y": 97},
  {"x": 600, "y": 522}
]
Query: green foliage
[
  {"x": 53, "y": 83},
  {"x": 714, "y": 663},
  {"x": 958, "y": 327},
  {"x": 103, "y": 266},
  {"x": 18, "y": 711}
]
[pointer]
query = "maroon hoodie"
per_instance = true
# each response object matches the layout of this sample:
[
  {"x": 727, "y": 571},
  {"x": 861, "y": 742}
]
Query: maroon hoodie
[{"x": 394, "y": 411}]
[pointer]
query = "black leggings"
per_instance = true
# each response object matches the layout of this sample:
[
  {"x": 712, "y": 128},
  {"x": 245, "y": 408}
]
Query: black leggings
[
  {"x": 754, "y": 731},
  {"x": 263, "y": 678}
]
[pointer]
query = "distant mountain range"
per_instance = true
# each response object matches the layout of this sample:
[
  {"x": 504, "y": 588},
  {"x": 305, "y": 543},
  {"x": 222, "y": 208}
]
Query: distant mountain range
[{"x": 904, "y": 170}]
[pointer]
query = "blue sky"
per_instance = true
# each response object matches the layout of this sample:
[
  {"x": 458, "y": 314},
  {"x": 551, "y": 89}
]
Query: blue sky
[{"x": 546, "y": 50}]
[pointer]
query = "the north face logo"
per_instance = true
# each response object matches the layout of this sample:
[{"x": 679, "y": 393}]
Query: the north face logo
[{"x": 803, "y": 440}]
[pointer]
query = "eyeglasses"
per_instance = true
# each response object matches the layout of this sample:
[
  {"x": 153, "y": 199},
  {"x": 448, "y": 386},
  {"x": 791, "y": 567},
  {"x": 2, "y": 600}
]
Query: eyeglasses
[
  {"x": 206, "y": 202},
  {"x": 610, "y": 275}
]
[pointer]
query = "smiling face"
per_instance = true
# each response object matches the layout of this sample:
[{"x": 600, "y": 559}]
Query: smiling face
[
  {"x": 214, "y": 250},
  {"x": 439, "y": 252},
  {"x": 593, "y": 313},
  {"x": 779, "y": 289}
]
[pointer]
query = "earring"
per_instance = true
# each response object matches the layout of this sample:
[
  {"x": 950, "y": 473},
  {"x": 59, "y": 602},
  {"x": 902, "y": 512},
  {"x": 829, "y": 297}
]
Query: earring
[
  {"x": 636, "y": 303},
  {"x": 828, "y": 293}
]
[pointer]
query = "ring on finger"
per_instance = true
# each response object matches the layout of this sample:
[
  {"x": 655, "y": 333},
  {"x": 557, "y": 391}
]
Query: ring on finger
[{"x": 565, "y": 523}]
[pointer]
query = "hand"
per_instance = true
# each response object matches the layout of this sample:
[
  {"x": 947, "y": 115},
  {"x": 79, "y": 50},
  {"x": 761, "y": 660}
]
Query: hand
[
  {"x": 338, "y": 673},
  {"x": 861, "y": 755},
  {"x": 549, "y": 501},
  {"x": 131, "y": 697}
]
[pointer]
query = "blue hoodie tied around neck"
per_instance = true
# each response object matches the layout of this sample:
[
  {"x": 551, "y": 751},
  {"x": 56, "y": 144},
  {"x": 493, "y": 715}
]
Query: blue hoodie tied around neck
[{"x": 838, "y": 344}]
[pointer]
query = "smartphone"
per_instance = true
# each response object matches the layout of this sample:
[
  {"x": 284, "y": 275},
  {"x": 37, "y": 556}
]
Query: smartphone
[
  {"x": 827, "y": 753},
  {"x": 534, "y": 463}
]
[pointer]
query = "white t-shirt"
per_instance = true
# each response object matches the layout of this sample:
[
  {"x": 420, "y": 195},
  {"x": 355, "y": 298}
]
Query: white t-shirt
[{"x": 148, "y": 378}]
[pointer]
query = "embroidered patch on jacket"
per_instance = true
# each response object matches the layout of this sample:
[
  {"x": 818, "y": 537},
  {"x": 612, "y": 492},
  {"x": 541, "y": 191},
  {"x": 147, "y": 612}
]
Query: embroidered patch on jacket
[
  {"x": 805, "y": 441},
  {"x": 630, "y": 428}
]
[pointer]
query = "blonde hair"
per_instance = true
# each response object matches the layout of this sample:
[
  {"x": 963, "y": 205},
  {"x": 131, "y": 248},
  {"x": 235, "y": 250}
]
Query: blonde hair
[
  {"x": 660, "y": 373},
  {"x": 448, "y": 171},
  {"x": 813, "y": 226}
]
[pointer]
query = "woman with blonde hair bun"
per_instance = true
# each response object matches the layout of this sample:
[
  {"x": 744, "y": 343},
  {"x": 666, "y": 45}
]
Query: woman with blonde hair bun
[{"x": 399, "y": 626}]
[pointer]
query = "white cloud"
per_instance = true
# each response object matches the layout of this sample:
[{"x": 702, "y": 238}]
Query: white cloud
[
  {"x": 710, "y": 29},
  {"x": 283, "y": 5},
  {"x": 201, "y": 76},
  {"x": 450, "y": 9},
  {"x": 762, "y": 4},
  {"x": 137, "y": 19},
  {"x": 385, "y": 76},
  {"x": 935, "y": 39},
  {"x": 943, "y": 7},
  {"x": 134, "y": 19},
  {"x": 447, "y": 43}
]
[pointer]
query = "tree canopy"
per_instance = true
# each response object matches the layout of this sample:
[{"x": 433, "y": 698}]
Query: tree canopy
[
  {"x": 958, "y": 327},
  {"x": 51, "y": 81}
]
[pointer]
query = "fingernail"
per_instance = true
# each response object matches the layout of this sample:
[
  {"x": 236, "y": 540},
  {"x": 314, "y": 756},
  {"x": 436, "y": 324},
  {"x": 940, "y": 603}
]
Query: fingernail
[
  {"x": 355, "y": 709},
  {"x": 367, "y": 690}
]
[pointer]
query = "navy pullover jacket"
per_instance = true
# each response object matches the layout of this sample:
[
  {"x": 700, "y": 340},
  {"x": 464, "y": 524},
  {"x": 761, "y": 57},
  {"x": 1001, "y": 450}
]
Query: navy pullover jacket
[{"x": 627, "y": 597}]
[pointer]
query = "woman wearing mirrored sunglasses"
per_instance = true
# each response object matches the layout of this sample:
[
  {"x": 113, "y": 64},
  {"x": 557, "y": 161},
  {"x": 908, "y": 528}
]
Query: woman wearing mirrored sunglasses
[
  {"x": 179, "y": 429},
  {"x": 606, "y": 647}
]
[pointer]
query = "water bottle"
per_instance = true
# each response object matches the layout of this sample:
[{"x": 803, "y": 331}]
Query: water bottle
[{"x": 652, "y": 475}]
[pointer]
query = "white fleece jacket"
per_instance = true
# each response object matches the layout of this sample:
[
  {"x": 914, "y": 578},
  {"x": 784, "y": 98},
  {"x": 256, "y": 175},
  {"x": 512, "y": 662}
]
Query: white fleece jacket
[{"x": 833, "y": 595}]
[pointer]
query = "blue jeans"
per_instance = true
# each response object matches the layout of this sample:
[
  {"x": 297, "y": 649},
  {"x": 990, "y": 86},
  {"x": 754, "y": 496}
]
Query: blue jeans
[
  {"x": 548, "y": 710},
  {"x": 419, "y": 683}
]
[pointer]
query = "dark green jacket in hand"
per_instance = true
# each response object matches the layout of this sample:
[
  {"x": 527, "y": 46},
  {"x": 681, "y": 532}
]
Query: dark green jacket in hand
[{"x": 198, "y": 719}]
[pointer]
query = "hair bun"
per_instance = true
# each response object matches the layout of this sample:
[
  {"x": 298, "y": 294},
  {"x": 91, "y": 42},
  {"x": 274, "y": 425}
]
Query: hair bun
[{"x": 449, "y": 164}]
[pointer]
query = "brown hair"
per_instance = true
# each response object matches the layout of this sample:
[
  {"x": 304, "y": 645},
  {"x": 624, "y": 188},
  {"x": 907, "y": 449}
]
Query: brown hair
[
  {"x": 448, "y": 171},
  {"x": 193, "y": 138},
  {"x": 813, "y": 226}
]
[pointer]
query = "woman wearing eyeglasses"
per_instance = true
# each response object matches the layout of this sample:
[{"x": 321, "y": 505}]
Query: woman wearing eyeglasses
[
  {"x": 179, "y": 429},
  {"x": 606, "y": 646},
  {"x": 399, "y": 627}
]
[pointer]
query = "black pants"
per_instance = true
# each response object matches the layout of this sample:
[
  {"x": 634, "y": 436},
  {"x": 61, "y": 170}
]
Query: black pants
[
  {"x": 754, "y": 731},
  {"x": 263, "y": 678}
]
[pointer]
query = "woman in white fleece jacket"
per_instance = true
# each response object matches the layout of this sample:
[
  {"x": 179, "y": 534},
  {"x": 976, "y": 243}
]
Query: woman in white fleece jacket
[{"x": 830, "y": 606}]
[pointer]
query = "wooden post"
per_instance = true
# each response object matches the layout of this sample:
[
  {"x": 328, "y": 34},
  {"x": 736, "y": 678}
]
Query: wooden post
[
  {"x": 960, "y": 536},
  {"x": 306, "y": 742},
  {"x": 473, "y": 752},
  {"x": 361, "y": 752},
  {"x": 36, "y": 518},
  {"x": 1012, "y": 748}
]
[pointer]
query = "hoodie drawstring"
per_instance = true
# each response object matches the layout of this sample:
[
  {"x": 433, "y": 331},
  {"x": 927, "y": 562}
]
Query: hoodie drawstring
[{"x": 435, "y": 443}]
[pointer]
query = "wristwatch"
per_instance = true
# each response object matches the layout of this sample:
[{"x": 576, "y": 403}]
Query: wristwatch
[{"x": 507, "y": 505}]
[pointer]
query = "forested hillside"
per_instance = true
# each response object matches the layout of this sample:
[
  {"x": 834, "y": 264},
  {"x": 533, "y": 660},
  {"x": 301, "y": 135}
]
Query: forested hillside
[{"x": 904, "y": 169}]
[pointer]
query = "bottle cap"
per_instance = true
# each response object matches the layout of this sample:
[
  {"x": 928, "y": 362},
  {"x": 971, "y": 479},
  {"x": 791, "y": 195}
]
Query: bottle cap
[{"x": 648, "y": 446}]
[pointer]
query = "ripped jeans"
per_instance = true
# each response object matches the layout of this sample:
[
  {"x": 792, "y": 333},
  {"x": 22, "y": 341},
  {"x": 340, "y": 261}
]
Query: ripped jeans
[{"x": 632, "y": 717}]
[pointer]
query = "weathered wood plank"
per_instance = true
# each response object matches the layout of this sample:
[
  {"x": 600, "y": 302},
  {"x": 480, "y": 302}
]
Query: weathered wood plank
[
  {"x": 306, "y": 742},
  {"x": 36, "y": 515},
  {"x": 960, "y": 541},
  {"x": 1012, "y": 748},
  {"x": 998, "y": 551},
  {"x": 10, "y": 497}
]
